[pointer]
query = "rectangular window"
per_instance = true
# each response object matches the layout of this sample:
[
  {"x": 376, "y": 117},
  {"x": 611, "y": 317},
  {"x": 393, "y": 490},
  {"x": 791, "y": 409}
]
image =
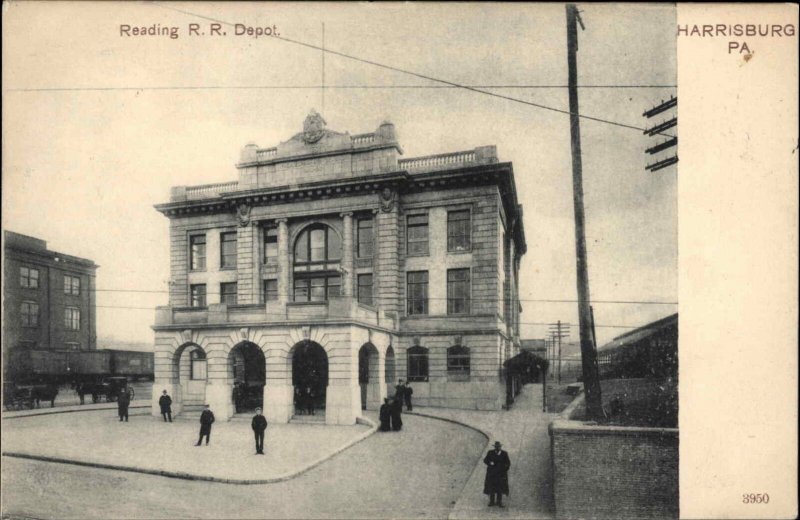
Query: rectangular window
[
  {"x": 30, "y": 314},
  {"x": 72, "y": 285},
  {"x": 365, "y": 240},
  {"x": 365, "y": 289},
  {"x": 72, "y": 318},
  {"x": 270, "y": 245},
  {"x": 458, "y": 230},
  {"x": 458, "y": 291},
  {"x": 198, "y": 365},
  {"x": 417, "y": 235},
  {"x": 417, "y": 292},
  {"x": 227, "y": 258},
  {"x": 417, "y": 364},
  {"x": 227, "y": 293},
  {"x": 270, "y": 290},
  {"x": 316, "y": 289},
  {"x": 29, "y": 277},
  {"x": 198, "y": 295},
  {"x": 197, "y": 252}
]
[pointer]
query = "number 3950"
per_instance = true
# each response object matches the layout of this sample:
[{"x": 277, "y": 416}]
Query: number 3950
[{"x": 755, "y": 498}]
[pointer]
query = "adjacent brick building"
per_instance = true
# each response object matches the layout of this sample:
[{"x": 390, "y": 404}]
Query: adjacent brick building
[
  {"x": 48, "y": 300},
  {"x": 333, "y": 267}
]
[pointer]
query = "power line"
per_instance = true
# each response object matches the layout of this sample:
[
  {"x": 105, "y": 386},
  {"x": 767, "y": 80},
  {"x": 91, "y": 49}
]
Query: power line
[
  {"x": 417, "y": 74},
  {"x": 316, "y": 87}
]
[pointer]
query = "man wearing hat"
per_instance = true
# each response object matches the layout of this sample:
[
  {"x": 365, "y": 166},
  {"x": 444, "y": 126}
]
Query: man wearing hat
[
  {"x": 206, "y": 420},
  {"x": 259, "y": 425},
  {"x": 496, "y": 483}
]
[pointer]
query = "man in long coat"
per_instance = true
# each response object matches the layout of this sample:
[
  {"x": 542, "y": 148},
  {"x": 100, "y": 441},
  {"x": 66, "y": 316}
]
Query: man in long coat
[
  {"x": 496, "y": 483},
  {"x": 206, "y": 420},
  {"x": 123, "y": 401},
  {"x": 165, "y": 403},
  {"x": 396, "y": 413},
  {"x": 259, "y": 425}
]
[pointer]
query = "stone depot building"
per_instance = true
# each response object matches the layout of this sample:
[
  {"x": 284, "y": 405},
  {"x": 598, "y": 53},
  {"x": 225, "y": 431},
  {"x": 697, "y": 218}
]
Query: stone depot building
[{"x": 331, "y": 268}]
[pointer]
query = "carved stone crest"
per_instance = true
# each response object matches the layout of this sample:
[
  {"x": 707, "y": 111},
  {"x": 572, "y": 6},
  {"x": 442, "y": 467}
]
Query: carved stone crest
[
  {"x": 313, "y": 127},
  {"x": 243, "y": 214},
  {"x": 387, "y": 199}
]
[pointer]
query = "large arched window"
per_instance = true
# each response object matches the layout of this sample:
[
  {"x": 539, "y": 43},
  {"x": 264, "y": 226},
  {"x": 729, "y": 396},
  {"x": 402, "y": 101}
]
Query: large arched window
[
  {"x": 317, "y": 255},
  {"x": 458, "y": 363},
  {"x": 417, "y": 364}
]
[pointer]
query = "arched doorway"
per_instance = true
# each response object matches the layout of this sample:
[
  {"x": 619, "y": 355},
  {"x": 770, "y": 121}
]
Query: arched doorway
[
  {"x": 368, "y": 377},
  {"x": 309, "y": 377},
  {"x": 247, "y": 372},
  {"x": 389, "y": 367},
  {"x": 190, "y": 366}
]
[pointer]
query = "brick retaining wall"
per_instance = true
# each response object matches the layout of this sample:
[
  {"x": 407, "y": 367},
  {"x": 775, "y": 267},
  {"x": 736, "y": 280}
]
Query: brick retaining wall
[{"x": 614, "y": 471}]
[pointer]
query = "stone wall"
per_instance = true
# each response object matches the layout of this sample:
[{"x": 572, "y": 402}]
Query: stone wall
[{"x": 614, "y": 471}]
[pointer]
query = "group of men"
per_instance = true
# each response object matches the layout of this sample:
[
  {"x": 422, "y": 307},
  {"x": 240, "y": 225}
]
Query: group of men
[
  {"x": 390, "y": 413},
  {"x": 258, "y": 424}
]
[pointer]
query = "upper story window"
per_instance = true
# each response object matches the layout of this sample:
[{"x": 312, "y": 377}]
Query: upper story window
[
  {"x": 270, "y": 290},
  {"x": 270, "y": 245},
  {"x": 457, "y": 363},
  {"x": 417, "y": 292},
  {"x": 228, "y": 293},
  {"x": 227, "y": 250},
  {"x": 417, "y": 364},
  {"x": 458, "y": 230},
  {"x": 72, "y": 285},
  {"x": 197, "y": 252},
  {"x": 458, "y": 291},
  {"x": 365, "y": 238},
  {"x": 197, "y": 294},
  {"x": 365, "y": 289},
  {"x": 29, "y": 312},
  {"x": 317, "y": 288},
  {"x": 72, "y": 318},
  {"x": 417, "y": 234},
  {"x": 317, "y": 248},
  {"x": 29, "y": 277}
]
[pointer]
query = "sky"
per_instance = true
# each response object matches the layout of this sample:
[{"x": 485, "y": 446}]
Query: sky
[{"x": 99, "y": 126}]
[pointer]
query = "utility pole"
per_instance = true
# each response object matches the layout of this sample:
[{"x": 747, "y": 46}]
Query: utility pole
[
  {"x": 559, "y": 330},
  {"x": 591, "y": 377}
]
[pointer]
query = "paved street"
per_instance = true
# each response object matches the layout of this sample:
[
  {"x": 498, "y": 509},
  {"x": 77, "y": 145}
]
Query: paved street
[{"x": 416, "y": 473}]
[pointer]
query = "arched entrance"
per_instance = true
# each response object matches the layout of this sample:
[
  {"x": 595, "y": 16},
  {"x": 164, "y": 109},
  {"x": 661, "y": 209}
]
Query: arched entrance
[
  {"x": 190, "y": 368},
  {"x": 309, "y": 377},
  {"x": 368, "y": 377},
  {"x": 247, "y": 372},
  {"x": 389, "y": 367}
]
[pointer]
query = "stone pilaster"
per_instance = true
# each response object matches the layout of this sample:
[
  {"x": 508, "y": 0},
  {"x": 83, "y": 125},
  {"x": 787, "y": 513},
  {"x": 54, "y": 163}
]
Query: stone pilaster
[
  {"x": 347, "y": 255},
  {"x": 388, "y": 292},
  {"x": 245, "y": 264},
  {"x": 283, "y": 261}
]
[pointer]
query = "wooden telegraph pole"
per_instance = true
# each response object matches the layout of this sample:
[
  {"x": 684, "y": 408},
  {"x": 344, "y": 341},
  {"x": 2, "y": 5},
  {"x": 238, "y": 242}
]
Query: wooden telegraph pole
[{"x": 591, "y": 377}]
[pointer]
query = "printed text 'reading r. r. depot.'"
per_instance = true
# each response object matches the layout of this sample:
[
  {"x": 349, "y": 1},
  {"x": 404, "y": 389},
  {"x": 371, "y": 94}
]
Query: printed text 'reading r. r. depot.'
[{"x": 196, "y": 30}]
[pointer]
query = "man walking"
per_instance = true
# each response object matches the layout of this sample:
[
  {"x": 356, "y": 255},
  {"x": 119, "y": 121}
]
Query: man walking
[
  {"x": 123, "y": 401},
  {"x": 496, "y": 482},
  {"x": 385, "y": 414},
  {"x": 259, "y": 425},
  {"x": 165, "y": 402},
  {"x": 396, "y": 414},
  {"x": 206, "y": 420}
]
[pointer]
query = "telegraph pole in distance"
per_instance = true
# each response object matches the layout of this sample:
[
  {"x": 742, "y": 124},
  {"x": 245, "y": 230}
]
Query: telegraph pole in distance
[
  {"x": 591, "y": 377},
  {"x": 558, "y": 330}
]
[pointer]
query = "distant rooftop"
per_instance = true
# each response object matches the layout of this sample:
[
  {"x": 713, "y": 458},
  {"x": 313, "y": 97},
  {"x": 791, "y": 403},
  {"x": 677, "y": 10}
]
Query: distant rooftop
[{"x": 29, "y": 244}]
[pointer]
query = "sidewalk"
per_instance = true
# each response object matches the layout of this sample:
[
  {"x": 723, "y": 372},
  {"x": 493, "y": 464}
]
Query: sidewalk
[
  {"x": 135, "y": 408},
  {"x": 523, "y": 433}
]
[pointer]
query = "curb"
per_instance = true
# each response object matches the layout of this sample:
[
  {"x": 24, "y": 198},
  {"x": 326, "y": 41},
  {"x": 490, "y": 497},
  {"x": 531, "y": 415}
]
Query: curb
[
  {"x": 480, "y": 457},
  {"x": 189, "y": 476},
  {"x": 56, "y": 411}
]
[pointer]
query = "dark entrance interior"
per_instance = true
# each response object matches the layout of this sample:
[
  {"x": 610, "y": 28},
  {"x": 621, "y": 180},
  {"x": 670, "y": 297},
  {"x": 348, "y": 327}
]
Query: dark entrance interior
[
  {"x": 309, "y": 376},
  {"x": 249, "y": 376}
]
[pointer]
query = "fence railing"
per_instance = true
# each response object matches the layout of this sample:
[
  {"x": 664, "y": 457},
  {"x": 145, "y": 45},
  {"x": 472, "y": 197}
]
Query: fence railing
[{"x": 435, "y": 161}]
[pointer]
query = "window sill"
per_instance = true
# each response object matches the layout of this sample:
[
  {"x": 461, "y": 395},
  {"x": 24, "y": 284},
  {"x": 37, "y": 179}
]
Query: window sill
[
  {"x": 412, "y": 255},
  {"x": 229, "y": 268},
  {"x": 459, "y": 251},
  {"x": 197, "y": 271}
]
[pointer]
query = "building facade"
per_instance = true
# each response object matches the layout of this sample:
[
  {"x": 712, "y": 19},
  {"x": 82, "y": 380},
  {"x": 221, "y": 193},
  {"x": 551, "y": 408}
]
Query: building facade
[
  {"x": 331, "y": 268},
  {"x": 48, "y": 300}
]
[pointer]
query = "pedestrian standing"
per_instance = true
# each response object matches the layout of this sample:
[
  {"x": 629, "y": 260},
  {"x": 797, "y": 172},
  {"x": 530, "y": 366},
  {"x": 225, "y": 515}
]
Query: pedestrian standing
[
  {"x": 123, "y": 401},
  {"x": 309, "y": 400},
  {"x": 165, "y": 402},
  {"x": 81, "y": 389},
  {"x": 407, "y": 393},
  {"x": 396, "y": 414},
  {"x": 259, "y": 425},
  {"x": 206, "y": 420},
  {"x": 496, "y": 482},
  {"x": 400, "y": 392},
  {"x": 385, "y": 415}
]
